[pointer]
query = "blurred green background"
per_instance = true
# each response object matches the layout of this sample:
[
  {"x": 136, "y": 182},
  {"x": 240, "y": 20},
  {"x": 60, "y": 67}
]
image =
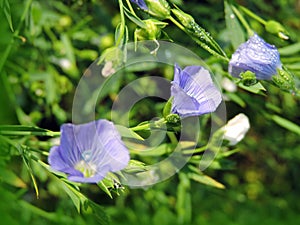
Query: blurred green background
[{"x": 45, "y": 47}]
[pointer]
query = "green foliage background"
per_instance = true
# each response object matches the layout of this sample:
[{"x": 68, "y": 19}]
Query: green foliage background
[{"x": 45, "y": 46}]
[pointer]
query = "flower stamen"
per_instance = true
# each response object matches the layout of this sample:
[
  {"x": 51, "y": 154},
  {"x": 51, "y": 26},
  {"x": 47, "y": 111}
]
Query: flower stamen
[{"x": 86, "y": 168}]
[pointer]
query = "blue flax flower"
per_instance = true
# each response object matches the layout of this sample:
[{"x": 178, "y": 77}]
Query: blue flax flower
[
  {"x": 257, "y": 56},
  {"x": 87, "y": 152},
  {"x": 193, "y": 92},
  {"x": 140, "y": 3}
]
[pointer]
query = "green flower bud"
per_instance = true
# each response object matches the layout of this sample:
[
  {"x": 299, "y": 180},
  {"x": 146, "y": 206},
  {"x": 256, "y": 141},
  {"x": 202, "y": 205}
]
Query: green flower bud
[
  {"x": 274, "y": 27},
  {"x": 158, "y": 8},
  {"x": 185, "y": 19},
  {"x": 173, "y": 119},
  {"x": 248, "y": 78},
  {"x": 284, "y": 80},
  {"x": 151, "y": 31}
]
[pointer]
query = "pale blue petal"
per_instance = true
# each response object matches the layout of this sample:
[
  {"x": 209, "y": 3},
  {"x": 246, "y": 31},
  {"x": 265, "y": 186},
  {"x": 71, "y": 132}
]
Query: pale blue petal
[
  {"x": 140, "y": 3},
  {"x": 114, "y": 155},
  {"x": 81, "y": 179},
  {"x": 257, "y": 56},
  {"x": 98, "y": 143},
  {"x": 56, "y": 160},
  {"x": 194, "y": 92}
]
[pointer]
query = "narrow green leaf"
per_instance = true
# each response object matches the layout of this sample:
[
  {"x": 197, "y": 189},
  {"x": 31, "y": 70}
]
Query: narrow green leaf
[
  {"x": 290, "y": 49},
  {"x": 135, "y": 166},
  {"x": 257, "y": 88},
  {"x": 104, "y": 188},
  {"x": 227, "y": 153},
  {"x": 198, "y": 176},
  {"x": 235, "y": 98},
  {"x": 289, "y": 125},
  {"x": 204, "y": 179},
  {"x": 126, "y": 132},
  {"x": 167, "y": 107},
  {"x": 6, "y": 8},
  {"x": 237, "y": 35},
  {"x": 160, "y": 150},
  {"x": 11, "y": 178},
  {"x": 98, "y": 212},
  {"x": 76, "y": 196},
  {"x": 119, "y": 34},
  {"x": 134, "y": 19},
  {"x": 25, "y": 130},
  {"x": 183, "y": 203},
  {"x": 29, "y": 169},
  {"x": 293, "y": 66}
]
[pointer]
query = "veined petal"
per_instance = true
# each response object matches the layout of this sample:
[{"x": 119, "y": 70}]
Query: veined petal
[
  {"x": 89, "y": 151},
  {"x": 57, "y": 162},
  {"x": 257, "y": 56},
  {"x": 115, "y": 155},
  {"x": 55, "y": 159},
  {"x": 194, "y": 92}
]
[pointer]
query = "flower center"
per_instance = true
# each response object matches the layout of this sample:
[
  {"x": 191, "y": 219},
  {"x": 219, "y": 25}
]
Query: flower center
[{"x": 86, "y": 168}]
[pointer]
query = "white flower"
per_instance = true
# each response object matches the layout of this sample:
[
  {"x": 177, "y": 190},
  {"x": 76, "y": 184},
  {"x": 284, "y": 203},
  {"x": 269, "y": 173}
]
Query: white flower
[
  {"x": 236, "y": 128},
  {"x": 228, "y": 85}
]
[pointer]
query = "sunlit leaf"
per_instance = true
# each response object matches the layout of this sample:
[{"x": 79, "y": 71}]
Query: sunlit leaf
[
  {"x": 237, "y": 35},
  {"x": 287, "y": 124}
]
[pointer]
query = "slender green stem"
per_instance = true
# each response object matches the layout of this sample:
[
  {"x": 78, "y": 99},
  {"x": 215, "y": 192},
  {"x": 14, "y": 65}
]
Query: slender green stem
[
  {"x": 210, "y": 50},
  {"x": 196, "y": 150},
  {"x": 29, "y": 133},
  {"x": 172, "y": 137},
  {"x": 206, "y": 47},
  {"x": 254, "y": 16},
  {"x": 16, "y": 33},
  {"x": 38, "y": 211},
  {"x": 141, "y": 127},
  {"x": 6, "y": 53},
  {"x": 243, "y": 21},
  {"x": 148, "y": 125},
  {"x": 177, "y": 24},
  {"x": 27, "y": 148},
  {"x": 130, "y": 7},
  {"x": 122, "y": 27}
]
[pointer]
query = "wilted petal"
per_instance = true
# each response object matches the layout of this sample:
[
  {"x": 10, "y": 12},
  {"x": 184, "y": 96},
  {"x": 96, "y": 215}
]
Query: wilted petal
[
  {"x": 257, "y": 56},
  {"x": 193, "y": 92}
]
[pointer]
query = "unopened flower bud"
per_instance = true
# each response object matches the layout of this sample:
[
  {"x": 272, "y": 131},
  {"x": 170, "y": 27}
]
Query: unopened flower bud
[
  {"x": 173, "y": 118},
  {"x": 257, "y": 56},
  {"x": 274, "y": 27},
  {"x": 236, "y": 128},
  {"x": 185, "y": 19},
  {"x": 158, "y": 8},
  {"x": 284, "y": 80},
  {"x": 248, "y": 78},
  {"x": 151, "y": 31}
]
